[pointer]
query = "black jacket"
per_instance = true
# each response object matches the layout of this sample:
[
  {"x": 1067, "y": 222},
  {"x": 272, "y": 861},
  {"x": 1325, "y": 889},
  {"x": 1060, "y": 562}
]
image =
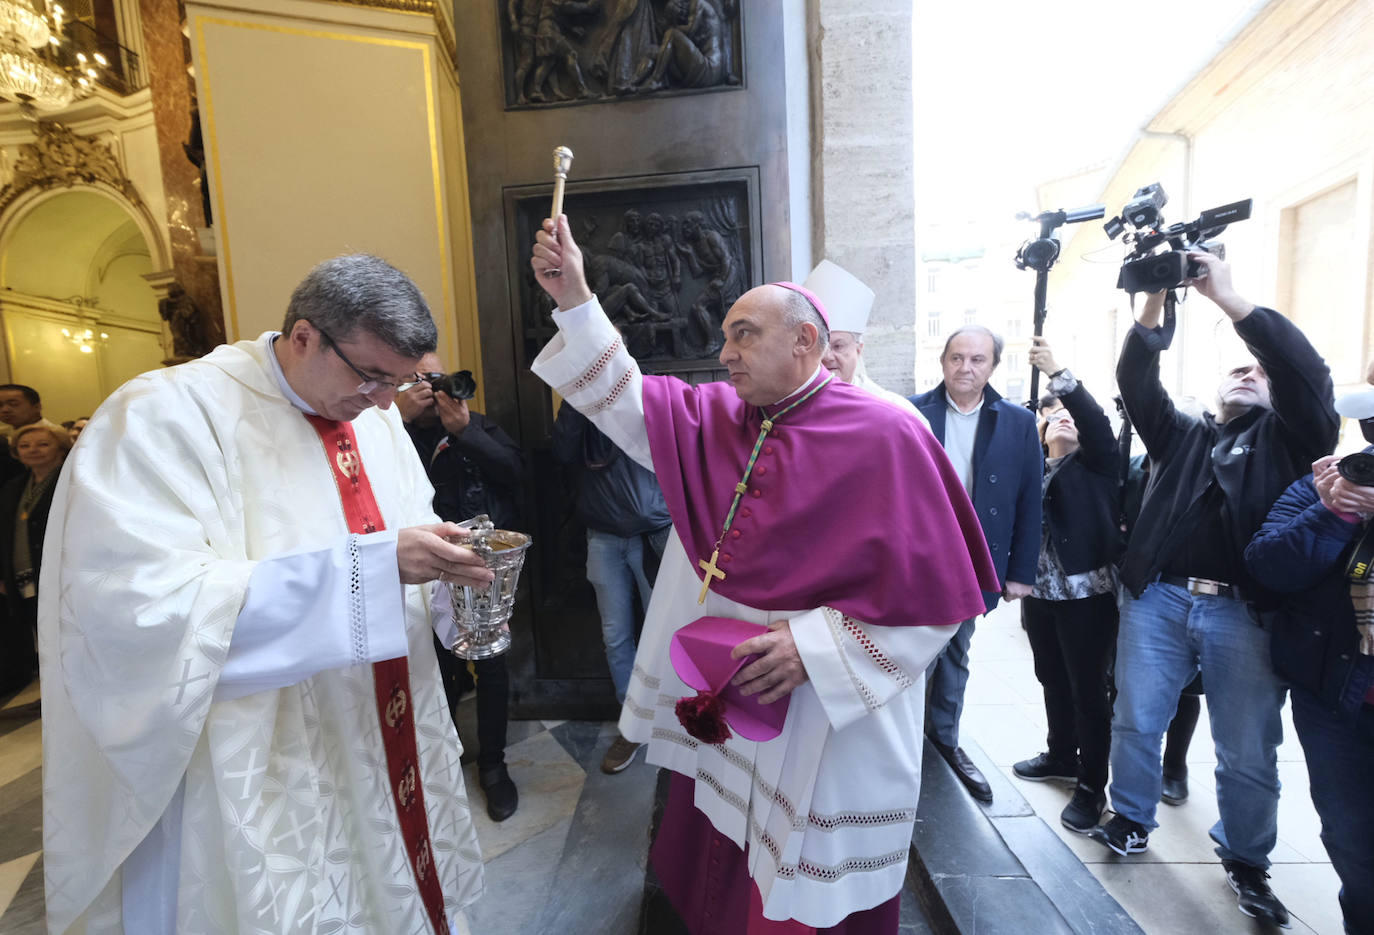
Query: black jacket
[
  {"x": 479, "y": 471},
  {"x": 1252, "y": 458},
  {"x": 1301, "y": 551},
  {"x": 615, "y": 495},
  {"x": 1083, "y": 495},
  {"x": 1008, "y": 469},
  {"x": 38, "y": 527}
]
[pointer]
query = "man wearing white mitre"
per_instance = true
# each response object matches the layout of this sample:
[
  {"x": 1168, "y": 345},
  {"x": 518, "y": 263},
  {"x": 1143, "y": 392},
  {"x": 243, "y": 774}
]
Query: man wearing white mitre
[
  {"x": 833, "y": 527},
  {"x": 243, "y": 724},
  {"x": 848, "y": 301}
]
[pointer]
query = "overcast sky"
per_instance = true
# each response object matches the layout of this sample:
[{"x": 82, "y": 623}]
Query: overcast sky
[{"x": 1012, "y": 94}]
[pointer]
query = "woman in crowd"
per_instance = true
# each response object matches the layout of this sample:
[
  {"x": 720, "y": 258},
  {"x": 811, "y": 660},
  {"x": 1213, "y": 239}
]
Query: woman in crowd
[
  {"x": 1071, "y": 617},
  {"x": 24, "y": 503}
]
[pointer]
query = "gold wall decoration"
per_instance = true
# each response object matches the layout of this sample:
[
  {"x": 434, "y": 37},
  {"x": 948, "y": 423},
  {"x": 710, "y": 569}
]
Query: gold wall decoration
[
  {"x": 59, "y": 157},
  {"x": 426, "y": 7}
]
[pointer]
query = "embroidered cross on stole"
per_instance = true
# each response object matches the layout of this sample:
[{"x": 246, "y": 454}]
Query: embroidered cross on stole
[{"x": 395, "y": 707}]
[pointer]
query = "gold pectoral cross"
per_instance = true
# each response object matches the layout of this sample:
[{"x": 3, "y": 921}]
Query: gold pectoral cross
[{"x": 711, "y": 572}]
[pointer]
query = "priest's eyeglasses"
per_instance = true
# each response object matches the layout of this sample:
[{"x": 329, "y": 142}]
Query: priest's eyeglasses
[{"x": 370, "y": 384}]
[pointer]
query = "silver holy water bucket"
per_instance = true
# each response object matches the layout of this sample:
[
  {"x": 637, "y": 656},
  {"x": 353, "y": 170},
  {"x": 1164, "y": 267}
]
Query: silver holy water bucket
[{"x": 482, "y": 615}]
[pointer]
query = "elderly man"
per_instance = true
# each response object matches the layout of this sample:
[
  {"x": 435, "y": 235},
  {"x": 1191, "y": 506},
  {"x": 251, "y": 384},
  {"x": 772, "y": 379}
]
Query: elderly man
[
  {"x": 995, "y": 448},
  {"x": 243, "y": 722},
  {"x": 848, "y": 301},
  {"x": 1188, "y": 605},
  {"x": 819, "y": 816}
]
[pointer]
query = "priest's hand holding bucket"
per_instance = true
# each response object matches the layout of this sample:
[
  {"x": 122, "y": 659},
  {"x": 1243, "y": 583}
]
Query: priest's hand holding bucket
[{"x": 424, "y": 553}]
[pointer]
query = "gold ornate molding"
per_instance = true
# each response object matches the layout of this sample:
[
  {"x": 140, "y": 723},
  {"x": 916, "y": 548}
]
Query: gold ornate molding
[
  {"x": 59, "y": 157},
  {"x": 426, "y": 7}
]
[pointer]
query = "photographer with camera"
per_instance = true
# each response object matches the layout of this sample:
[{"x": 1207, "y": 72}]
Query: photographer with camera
[
  {"x": 475, "y": 468},
  {"x": 1315, "y": 549},
  {"x": 1071, "y": 617},
  {"x": 1188, "y": 600}
]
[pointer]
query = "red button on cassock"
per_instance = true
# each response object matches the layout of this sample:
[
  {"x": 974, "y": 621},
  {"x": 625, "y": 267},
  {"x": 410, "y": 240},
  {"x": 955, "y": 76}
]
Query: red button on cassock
[
  {"x": 746, "y": 512},
  {"x": 734, "y": 534},
  {"x": 768, "y": 449},
  {"x": 762, "y": 469},
  {"x": 725, "y": 557},
  {"x": 756, "y": 492}
]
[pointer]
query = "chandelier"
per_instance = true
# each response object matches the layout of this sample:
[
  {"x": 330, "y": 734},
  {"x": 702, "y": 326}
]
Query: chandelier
[
  {"x": 85, "y": 339},
  {"x": 36, "y": 70}
]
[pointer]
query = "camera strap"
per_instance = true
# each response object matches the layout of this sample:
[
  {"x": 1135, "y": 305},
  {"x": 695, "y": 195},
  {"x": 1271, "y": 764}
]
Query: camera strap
[{"x": 1357, "y": 572}]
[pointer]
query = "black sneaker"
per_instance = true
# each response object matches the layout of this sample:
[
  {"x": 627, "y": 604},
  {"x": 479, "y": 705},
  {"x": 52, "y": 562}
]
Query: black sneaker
[
  {"x": 1122, "y": 835},
  {"x": 1084, "y": 810},
  {"x": 1253, "y": 895},
  {"x": 1042, "y": 767}
]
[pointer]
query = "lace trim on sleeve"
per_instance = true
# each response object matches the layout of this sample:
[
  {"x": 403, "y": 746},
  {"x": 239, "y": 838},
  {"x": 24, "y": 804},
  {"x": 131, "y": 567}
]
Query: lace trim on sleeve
[
  {"x": 357, "y": 626},
  {"x": 846, "y": 629}
]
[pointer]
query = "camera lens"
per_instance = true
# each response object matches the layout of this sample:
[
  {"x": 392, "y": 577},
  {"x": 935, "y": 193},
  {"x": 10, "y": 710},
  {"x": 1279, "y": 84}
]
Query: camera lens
[{"x": 1358, "y": 469}]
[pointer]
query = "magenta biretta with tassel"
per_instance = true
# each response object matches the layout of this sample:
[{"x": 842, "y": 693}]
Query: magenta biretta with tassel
[{"x": 700, "y": 653}]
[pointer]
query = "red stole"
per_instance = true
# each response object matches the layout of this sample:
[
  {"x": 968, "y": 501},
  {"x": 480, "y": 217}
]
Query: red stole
[{"x": 395, "y": 707}]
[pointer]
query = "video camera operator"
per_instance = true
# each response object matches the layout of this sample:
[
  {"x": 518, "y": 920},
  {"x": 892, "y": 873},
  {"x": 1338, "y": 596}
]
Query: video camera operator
[
  {"x": 475, "y": 468},
  {"x": 1315, "y": 549},
  {"x": 1188, "y": 600}
]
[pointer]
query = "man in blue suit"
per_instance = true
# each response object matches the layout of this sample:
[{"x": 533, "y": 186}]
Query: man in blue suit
[{"x": 994, "y": 447}]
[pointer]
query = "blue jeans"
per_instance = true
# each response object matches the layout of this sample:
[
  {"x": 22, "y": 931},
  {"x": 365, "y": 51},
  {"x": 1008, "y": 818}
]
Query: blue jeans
[
  {"x": 1340, "y": 762},
  {"x": 615, "y": 567},
  {"x": 1165, "y": 635},
  {"x": 946, "y": 679}
]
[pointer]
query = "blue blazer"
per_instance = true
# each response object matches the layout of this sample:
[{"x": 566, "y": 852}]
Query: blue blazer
[{"x": 1008, "y": 467}]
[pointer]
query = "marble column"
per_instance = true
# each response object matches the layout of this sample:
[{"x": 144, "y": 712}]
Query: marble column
[
  {"x": 863, "y": 180},
  {"x": 165, "y": 61}
]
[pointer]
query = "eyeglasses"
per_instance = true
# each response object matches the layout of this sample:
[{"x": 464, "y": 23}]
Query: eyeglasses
[{"x": 370, "y": 384}]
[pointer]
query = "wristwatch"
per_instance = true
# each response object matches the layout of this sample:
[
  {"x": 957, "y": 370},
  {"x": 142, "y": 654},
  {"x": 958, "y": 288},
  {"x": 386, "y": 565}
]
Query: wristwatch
[{"x": 1063, "y": 382}]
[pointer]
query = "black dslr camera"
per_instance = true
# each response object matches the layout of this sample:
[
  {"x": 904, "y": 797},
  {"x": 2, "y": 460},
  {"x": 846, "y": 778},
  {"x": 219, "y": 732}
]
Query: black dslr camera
[
  {"x": 1148, "y": 269},
  {"x": 459, "y": 385},
  {"x": 1357, "y": 468}
]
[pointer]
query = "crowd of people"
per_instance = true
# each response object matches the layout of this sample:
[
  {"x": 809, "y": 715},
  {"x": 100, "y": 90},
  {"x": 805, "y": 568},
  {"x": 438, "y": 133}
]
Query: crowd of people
[{"x": 250, "y": 716}]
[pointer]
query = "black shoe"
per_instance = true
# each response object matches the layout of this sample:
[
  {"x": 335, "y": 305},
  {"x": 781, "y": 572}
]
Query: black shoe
[
  {"x": 1043, "y": 766},
  {"x": 501, "y": 794},
  {"x": 1084, "y": 810},
  {"x": 1174, "y": 790},
  {"x": 1122, "y": 835},
  {"x": 1253, "y": 895},
  {"x": 968, "y": 774}
]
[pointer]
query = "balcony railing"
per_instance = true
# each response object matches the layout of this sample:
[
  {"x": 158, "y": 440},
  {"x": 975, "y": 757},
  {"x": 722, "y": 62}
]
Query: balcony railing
[{"x": 123, "y": 72}]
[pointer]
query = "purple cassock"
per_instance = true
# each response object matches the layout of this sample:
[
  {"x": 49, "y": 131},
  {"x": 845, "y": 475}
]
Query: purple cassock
[{"x": 850, "y": 505}]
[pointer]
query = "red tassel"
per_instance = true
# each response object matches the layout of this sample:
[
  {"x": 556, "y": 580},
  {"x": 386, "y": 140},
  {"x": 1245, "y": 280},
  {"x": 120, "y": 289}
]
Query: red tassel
[{"x": 703, "y": 717}]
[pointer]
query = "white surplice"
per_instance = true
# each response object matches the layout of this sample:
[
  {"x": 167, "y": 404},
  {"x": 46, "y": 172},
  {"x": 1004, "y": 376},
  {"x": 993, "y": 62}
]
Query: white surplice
[
  {"x": 207, "y": 626},
  {"x": 826, "y": 808}
]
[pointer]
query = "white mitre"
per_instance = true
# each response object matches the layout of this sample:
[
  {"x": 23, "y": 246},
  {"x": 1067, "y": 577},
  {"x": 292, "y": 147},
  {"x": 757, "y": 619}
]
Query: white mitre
[{"x": 846, "y": 299}]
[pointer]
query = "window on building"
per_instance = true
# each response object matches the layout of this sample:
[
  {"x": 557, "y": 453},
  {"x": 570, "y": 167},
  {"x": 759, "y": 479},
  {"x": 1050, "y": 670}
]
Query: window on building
[
  {"x": 933, "y": 325},
  {"x": 932, "y": 280},
  {"x": 970, "y": 315},
  {"x": 1013, "y": 327},
  {"x": 1322, "y": 278}
]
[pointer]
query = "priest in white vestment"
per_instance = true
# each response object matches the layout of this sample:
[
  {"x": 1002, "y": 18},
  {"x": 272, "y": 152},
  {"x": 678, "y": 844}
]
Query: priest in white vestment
[
  {"x": 848, "y": 301},
  {"x": 836, "y": 522},
  {"x": 244, "y": 729}
]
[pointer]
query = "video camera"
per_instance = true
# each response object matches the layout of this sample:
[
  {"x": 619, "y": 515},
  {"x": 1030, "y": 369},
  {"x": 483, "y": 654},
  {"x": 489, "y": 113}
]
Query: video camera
[
  {"x": 458, "y": 385},
  {"x": 1148, "y": 269}
]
